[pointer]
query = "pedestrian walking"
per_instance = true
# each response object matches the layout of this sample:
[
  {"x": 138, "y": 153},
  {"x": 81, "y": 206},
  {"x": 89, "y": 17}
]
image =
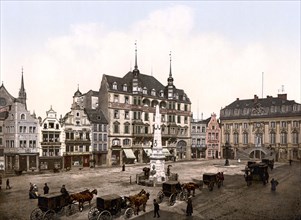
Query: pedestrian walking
[
  {"x": 0, "y": 181},
  {"x": 156, "y": 209},
  {"x": 46, "y": 189},
  {"x": 123, "y": 167},
  {"x": 290, "y": 161},
  {"x": 189, "y": 208},
  {"x": 274, "y": 183},
  {"x": 7, "y": 184}
]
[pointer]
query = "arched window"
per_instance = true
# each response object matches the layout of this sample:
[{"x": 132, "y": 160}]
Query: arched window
[
  {"x": 153, "y": 92},
  {"x": 22, "y": 116}
]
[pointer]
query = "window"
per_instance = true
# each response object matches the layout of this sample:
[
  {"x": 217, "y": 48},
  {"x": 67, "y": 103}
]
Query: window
[
  {"x": 146, "y": 116},
  {"x": 179, "y": 106},
  {"x": 185, "y": 108},
  {"x": 116, "y": 114},
  {"x": 179, "y": 119},
  {"x": 126, "y": 128},
  {"x": 295, "y": 138},
  {"x": 203, "y": 129},
  {"x": 236, "y": 125},
  {"x": 94, "y": 137},
  {"x": 45, "y": 126},
  {"x": 116, "y": 128},
  {"x": 125, "y": 88},
  {"x": 144, "y": 91},
  {"x": 161, "y": 93},
  {"x": 126, "y": 142},
  {"x": 22, "y": 116},
  {"x": 245, "y": 138},
  {"x": 295, "y": 124},
  {"x": 116, "y": 98},
  {"x": 272, "y": 138},
  {"x": 273, "y": 124},
  {"x": 283, "y": 124},
  {"x": 283, "y": 138},
  {"x": 236, "y": 136},
  {"x": 126, "y": 114},
  {"x": 245, "y": 125},
  {"x": 153, "y": 93},
  {"x": 126, "y": 100},
  {"x": 162, "y": 118},
  {"x": 95, "y": 127},
  {"x": 185, "y": 119},
  {"x": 115, "y": 86}
]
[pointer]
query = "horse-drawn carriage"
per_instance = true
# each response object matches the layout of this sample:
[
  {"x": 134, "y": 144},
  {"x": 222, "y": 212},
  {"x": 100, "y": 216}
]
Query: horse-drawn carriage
[
  {"x": 210, "y": 179},
  {"x": 173, "y": 190},
  {"x": 52, "y": 205},
  {"x": 256, "y": 172},
  {"x": 108, "y": 206}
]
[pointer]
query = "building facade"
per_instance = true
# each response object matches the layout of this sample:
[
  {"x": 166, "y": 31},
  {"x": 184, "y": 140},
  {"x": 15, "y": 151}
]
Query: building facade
[
  {"x": 76, "y": 136},
  {"x": 128, "y": 103},
  {"x": 19, "y": 134},
  {"x": 198, "y": 138},
  {"x": 266, "y": 127},
  {"x": 51, "y": 153},
  {"x": 213, "y": 134}
]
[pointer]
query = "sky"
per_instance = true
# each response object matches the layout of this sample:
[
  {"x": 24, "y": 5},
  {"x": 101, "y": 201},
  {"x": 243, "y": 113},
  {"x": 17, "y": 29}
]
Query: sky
[{"x": 220, "y": 50}]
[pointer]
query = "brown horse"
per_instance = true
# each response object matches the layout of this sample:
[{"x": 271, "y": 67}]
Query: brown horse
[
  {"x": 137, "y": 200},
  {"x": 82, "y": 197},
  {"x": 140, "y": 201},
  {"x": 190, "y": 187}
]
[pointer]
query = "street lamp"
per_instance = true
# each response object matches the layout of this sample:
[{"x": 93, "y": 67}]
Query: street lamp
[{"x": 227, "y": 146}]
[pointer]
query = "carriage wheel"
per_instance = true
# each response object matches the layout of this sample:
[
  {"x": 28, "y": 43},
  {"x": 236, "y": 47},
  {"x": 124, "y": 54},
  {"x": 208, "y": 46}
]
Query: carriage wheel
[
  {"x": 183, "y": 195},
  {"x": 172, "y": 199},
  {"x": 93, "y": 213},
  {"x": 49, "y": 215},
  {"x": 70, "y": 209},
  {"x": 160, "y": 196},
  {"x": 128, "y": 213},
  {"x": 36, "y": 214},
  {"x": 105, "y": 215}
]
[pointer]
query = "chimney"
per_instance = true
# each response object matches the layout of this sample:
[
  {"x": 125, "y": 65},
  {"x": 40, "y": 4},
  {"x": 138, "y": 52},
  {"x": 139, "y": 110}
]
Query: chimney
[
  {"x": 237, "y": 99},
  {"x": 282, "y": 96}
]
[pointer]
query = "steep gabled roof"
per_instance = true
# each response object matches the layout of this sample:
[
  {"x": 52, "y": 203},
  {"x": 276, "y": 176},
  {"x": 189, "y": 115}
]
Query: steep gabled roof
[{"x": 96, "y": 116}]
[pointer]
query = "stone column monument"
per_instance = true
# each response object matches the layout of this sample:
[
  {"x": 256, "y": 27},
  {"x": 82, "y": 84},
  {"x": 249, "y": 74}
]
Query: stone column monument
[{"x": 157, "y": 158}]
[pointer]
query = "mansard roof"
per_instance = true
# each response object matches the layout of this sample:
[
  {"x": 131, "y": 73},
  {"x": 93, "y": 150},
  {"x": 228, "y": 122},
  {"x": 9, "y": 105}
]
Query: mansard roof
[
  {"x": 261, "y": 107},
  {"x": 144, "y": 80},
  {"x": 96, "y": 116}
]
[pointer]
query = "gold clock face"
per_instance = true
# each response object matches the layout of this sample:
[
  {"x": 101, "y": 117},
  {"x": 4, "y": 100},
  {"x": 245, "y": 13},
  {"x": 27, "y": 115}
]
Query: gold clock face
[{"x": 2, "y": 101}]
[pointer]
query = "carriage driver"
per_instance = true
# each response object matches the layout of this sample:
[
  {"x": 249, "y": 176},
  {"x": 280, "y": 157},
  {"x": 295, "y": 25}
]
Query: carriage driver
[{"x": 64, "y": 191}]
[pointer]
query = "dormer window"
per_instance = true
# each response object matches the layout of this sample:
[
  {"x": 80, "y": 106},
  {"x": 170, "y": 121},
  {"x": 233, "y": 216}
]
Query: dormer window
[
  {"x": 144, "y": 91},
  {"x": 161, "y": 93},
  {"x": 115, "y": 85},
  {"x": 153, "y": 92},
  {"x": 22, "y": 116},
  {"x": 125, "y": 88}
]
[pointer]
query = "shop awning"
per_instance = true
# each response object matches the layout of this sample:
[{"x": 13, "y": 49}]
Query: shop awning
[
  {"x": 166, "y": 152},
  {"x": 129, "y": 153},
  {"x": 148, "y": 151}
]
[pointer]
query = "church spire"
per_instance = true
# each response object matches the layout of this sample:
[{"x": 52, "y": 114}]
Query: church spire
[
  {"x": 136, "y": 71},
  {"x": 22, "y": 92},
  {"x": 170, "y": 79}
]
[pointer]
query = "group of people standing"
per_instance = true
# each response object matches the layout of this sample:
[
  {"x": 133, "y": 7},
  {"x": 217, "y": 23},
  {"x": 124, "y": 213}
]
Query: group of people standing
[{"x": 34, "y": 191}]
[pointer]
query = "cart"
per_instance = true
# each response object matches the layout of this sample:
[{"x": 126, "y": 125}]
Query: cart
[
  {"x": 269, "y": 162},
  {"x": 210, "y": 179},
  {"x": 173, "y": 190},
  {"x": 52, "y": 205},
  {"x": 108, "y": 206}
]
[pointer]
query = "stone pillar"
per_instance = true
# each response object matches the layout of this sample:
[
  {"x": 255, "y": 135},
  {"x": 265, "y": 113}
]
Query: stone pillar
[
  {"x": 37, "y": 163},
  {"x": 27, "y": 163}
]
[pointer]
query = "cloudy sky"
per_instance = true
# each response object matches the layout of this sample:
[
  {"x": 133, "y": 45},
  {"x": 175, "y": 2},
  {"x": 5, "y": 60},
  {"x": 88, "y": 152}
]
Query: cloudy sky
[{"x": 221, "y": 50}]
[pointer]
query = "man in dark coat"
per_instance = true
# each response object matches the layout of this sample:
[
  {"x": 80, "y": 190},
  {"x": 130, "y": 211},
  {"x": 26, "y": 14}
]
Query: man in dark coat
[
  {"x": 64, "y": 190},
  {"x": 274, "y": 183},
  {"x": 46, "y": 189},
  {"x": 189, "y": 208},
  {"x": 7, "y": 184},
  {"x": 156, "y": 209}
]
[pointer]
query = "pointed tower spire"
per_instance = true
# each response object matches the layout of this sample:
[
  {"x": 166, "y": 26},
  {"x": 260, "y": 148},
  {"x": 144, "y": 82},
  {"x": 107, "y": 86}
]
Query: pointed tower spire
[
  {"x": 22, "y": 93},
  {"x": 136, "y": 71},
  {"x": 170, "y": 75},
  {"x": 170, "y": 79},
  {"x": 136, "y": 64}
]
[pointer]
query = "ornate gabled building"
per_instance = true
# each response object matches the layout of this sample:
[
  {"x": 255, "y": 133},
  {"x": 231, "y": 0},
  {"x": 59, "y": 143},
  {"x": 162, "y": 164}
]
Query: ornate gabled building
[
  {"x": 76, "y": 138},
  {"x": 51, "y": 154},
  {"x": 129, "y": 102},
  {"x": 19, "y": 136},
  {"x": 266, "y": 127},
  {"x": 213, "y": 133}
]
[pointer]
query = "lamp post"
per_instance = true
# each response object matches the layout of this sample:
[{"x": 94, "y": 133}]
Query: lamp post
[{"x": 227, "y": 146}]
